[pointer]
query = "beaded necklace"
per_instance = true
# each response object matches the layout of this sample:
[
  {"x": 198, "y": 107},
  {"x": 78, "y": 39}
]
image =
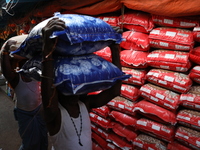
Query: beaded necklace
[{"x": 78, "y": 134}]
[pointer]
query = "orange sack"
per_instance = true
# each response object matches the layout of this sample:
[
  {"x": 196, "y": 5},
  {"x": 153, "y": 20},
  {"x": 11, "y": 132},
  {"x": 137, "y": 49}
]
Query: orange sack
[{"x": 172, "y": 8}]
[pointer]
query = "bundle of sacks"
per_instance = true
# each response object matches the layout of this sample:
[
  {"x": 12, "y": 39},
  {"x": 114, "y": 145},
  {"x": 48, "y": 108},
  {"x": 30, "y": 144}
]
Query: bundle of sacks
[{"x": 77, "y": 69}]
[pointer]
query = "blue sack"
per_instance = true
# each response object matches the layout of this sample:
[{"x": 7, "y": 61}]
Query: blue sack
[
  {"x": 78, "y": 74},
  {"x": 83, "y": 35}
]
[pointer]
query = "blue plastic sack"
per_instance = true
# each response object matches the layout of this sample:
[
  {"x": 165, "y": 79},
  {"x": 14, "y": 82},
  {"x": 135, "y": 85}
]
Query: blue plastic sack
[
  {"x": 83, "y": 35},
  {"x": 78, "y": 74}
]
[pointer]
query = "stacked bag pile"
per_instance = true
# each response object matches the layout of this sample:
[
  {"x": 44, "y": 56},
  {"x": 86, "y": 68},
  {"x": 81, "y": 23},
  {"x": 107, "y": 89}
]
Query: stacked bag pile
[
  {"x": 159, "y": 105},
  {"x": 77, "y": 69}
]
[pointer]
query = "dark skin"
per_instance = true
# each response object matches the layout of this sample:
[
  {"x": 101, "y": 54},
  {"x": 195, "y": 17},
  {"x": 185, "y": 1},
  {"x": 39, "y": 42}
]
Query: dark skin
[
  {"x": 8, "y": 65},
  {"x": 51, "y": 97}
]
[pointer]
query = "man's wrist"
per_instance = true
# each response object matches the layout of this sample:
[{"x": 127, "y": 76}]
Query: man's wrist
[{"x": 5, "y": 52}]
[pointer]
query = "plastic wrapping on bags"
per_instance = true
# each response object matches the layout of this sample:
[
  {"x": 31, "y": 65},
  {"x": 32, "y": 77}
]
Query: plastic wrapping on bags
[
  {"x": 195, "y": 74},
  {"x": 83, "y": 35},
  {"x": 78, "y": 74}
]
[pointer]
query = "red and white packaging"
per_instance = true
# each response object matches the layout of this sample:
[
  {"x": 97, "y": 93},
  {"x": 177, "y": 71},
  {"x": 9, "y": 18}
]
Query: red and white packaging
[
  {"x": 174, "y": 81},
  {"x": 119, "y": 141},
  {"x": 133, "y": 59},
  {"x": 104, "y": 53},
  {"x": 105, "y": 123},
  {"x": 95, "y": 146},
  {"x": 138, "y": 76},
  {"x": 191, "y": 99},
  {"x": 179, "y": 22},
  {"x": 177, "y": 146},
  {"x": 122, "y": 118},
  {"x": 156, "y": 129},
  {"x": 121, "y": 104},
  {"x": 155, "y": 112},
  {"x": 102, "y": 111},
  {"x": 195, "y": 55},
  {"x": 196, "y": 34},
  {"x": 101, "y": 141},
  {"x": 195, "y": 74},
  {"x": 124, "y": 131},
  {"x": 130, "y": 92},
  {"x": 135, "y": 41},
  {"x": 188, "y": 136},
  {"x": 169, "y": 60},
  {"x": 99, "y": 130},
  {"x": 147, "y": 142},
  {"x": 160, "y": 96},
  {"x": 171, "y": 38},
  {"x": 189, "y": 118},
  {"x": 137, "y": 21},
  {"x": 111, "y": 20}
]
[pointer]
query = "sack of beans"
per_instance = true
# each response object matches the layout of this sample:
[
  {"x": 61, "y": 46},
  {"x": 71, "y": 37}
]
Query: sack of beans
[
  {"x": 135, "y": 41},
  {"x": 188, "y": 136},
  {"x": 179, "y": 22},
  {"x": 121, "y": 104},
  {"x": 133, "y": 59},
  {"x": 137, "y": 21},
  {"x": 123, "y": 118},
  {"x": 189, "y": 118},
  {"x": 105, "y": 123},
  {"x": 124, "y": 131},
  {"x": 83, "y": 35},
  {"x": 195, "y": 55},
  {"x": 99, "y": 130},
  {"x": 191, "y": 99},
  {"x": 155, "y": 112},
  {"x": 196, "y": 34},
  {"x": 175, "y": 145},
  {"x": 156, "y": 129},
  {"x": 144, "y": 141},
  {"x": 102, "y": 111},
  {"x": 111, "y": 20},
  {"x": 169, "y": 60},
  {"x": 174, "y": 81},
  {"x": 171, "y": 38},
  {"x": 130, "y": 92},
  {"x": 138, "y": 76},
  {"x": 195, "y": 74},
  {"x": 160, "y": 96},
  {"x": 104, "y": 53}
]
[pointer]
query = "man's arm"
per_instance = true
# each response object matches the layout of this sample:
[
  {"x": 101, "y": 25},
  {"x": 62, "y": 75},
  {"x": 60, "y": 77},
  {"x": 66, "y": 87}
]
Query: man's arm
[
  {"x": 48, "y": 91},
  {"x": 104, "y": 97}
]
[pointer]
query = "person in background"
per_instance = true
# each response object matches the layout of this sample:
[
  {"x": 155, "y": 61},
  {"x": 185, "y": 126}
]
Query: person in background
[
  {"x": 67, "y": 117},
  {"x": 28, "y": 105}
]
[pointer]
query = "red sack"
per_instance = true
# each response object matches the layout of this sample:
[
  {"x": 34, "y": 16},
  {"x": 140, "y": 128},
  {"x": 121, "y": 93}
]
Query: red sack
[
  {"x": 121, "y": 104},
  {"x": 104, "y": 53},
  {"x": 147, "y": 142},
  {"x": 169, "y": 60},
  {"x": 195, "y": 74},
  {"x": 130, "y": 92},
  {"x": 137, "y": 21},
  {"x": 189, "y": 118},
  {"x": 175, "y": 81},
  {"x": 99, "y": 130},
  {"x": 138, "y": 76},
  {"x": 101, "y": 142},
  {"x": 196, "y": 34},
  {"x": 135, "y": 41},
  {"x": 95, "y": 146},
  {"x": 111, "y": 20},
  {"x": 176, "y": 146},
  {"x": 171, "y": 38},
  {"x": 195, "y": 55},
  {"x": 191, "y": 99},
  {"x": 160, "y": 96},
  {"x": 102, "y": 111},
  {"x": 105, "y": 123},
  {"x": 156, "y": 129},
  {"x": 123, "y": 118},
  {"x": 133, "y": 59},
  {"x": 124, "y": 131},
  {"x": 179, "y": 22},
  {"x": 188, "y": 136},
  {"x": 155, "y": 112}
]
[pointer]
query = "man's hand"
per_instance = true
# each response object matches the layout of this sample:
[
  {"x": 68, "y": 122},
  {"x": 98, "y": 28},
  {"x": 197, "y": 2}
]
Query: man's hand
[{"x": 9, "y": 45}]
